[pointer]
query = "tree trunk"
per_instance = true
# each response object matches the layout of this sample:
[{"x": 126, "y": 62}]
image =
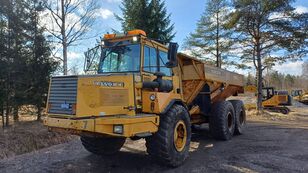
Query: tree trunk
[
  {"x": 7, "y": 112},
  {"x": 39, "y": 112},
  {"x": 218, "y": 58},
  {"x": 259, "y": 78},
  {"x": 64, "y": 57},
  {"x": 64, "y": 39},
  {"x": 8, "y": 73},
  {"x": 259, "y": 86},
  {"x": 15, "y": 114},
  {"x": 2, "y": 114}
]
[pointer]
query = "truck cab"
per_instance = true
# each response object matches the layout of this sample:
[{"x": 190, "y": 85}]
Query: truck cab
[{"x": 122, "y": 88}]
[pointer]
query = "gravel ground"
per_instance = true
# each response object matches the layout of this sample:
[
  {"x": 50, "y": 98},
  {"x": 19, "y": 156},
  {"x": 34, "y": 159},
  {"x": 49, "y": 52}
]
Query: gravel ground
[
  {"x": 27, "y": 136},
  {"x": 269, "y": 145}
]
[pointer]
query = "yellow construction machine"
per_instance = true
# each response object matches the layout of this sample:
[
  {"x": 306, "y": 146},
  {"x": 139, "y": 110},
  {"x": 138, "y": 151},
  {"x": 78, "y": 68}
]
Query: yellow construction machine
[
  {"x": 272, "y": 100},
  {"x": 300, "y": 96},
  {"x": 145, "y": 89}
]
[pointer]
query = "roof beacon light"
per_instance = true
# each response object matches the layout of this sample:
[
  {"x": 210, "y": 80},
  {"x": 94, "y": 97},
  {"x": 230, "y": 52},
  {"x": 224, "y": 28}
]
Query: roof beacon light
[
  {"x": 136, "y": 32},
  {"x": 109, "y": 36},
  {"x": 132, "y": 32}
]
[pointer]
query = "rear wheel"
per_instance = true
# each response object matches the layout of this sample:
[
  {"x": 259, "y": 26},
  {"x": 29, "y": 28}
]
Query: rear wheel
[
  {"x": 284, "y": 110},
  {"x": 102, "y": 145},
  {"x": 222, "y": 120},
  {"x": 170, "y": 145},
  {"x": 240, "y": 116}
]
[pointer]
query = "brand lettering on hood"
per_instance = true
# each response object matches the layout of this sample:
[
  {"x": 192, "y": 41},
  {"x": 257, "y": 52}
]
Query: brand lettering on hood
[{"x": 109, "y": 84}]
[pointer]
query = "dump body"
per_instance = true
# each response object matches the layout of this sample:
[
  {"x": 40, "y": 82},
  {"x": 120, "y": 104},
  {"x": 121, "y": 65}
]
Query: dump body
[
  {"x": 199, "y": 70},
  {"x": 211, "y": 83}
]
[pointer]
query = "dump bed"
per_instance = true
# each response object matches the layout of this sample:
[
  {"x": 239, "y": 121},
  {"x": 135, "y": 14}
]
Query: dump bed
[
  {"x": 220, "y": 75},
  {"x": 196, "y": 74},
  {"x": 194, "y": 69}
]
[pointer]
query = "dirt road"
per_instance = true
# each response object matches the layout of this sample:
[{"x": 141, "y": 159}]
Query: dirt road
[{"x": 269, "y": 145}]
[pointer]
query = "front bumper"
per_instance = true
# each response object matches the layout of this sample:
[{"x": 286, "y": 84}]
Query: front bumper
[{"x": 140, "y": 125}]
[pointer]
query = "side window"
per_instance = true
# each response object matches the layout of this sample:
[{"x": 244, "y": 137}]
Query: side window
[
  {"x": 150, "y": 59},
  {"x": 163, "y": 59}
]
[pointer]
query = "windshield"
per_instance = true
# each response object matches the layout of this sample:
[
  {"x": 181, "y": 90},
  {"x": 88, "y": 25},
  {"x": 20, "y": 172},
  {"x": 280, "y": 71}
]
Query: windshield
[{"x": 120, "y": 59}]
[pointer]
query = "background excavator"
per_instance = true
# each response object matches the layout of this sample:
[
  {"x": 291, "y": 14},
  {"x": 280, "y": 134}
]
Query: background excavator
[{"x": 272, "y": 100}]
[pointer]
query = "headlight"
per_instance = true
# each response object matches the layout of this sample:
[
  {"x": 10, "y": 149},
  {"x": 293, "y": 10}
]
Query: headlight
[
  {"x": 137, "y": 78},
  {"x": 135, "y": 39},
  {"x": 118, "y": 129},
  {"x": 102, "y": 43},
  {"x": 152, "y": 97}
]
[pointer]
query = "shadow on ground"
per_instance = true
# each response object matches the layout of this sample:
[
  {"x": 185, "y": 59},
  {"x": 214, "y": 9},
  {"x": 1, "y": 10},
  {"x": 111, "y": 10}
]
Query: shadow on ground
[{"x": 132, "y": 159}]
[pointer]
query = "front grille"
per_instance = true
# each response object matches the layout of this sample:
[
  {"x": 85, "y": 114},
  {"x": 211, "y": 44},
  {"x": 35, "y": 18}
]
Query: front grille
[{"x": 63, "y": 95}]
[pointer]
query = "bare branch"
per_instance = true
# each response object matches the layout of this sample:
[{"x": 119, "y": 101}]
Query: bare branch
[
  {"x": 71, "y": 31},
  {"x": 53, "y": 33}
]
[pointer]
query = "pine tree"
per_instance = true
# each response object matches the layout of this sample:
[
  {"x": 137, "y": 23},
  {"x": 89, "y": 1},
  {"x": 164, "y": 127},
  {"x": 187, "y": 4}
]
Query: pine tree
[
  {"x": 40, "y": 65},
  {"x": 289, "y": 81},
  {"x": 211, "y": 41},
  {"x": 250, "y": 79},
  {"x": 25, "y": 63},
  {"x": 150, "y": 16},
  {"x": 14, "y": 17},
  {"x": 135, "y": 14},
  {"x": 159, "y": 20},
  {"x": 269, "y": 29},
  {"x": 2, "y": 66}
]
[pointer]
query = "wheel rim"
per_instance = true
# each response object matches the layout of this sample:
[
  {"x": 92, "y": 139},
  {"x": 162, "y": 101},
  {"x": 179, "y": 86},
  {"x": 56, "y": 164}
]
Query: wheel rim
[
  {"x": 284, "y": 111},
  {"x": 230, "y": 121},
  {"x": 180, "y": 136}
]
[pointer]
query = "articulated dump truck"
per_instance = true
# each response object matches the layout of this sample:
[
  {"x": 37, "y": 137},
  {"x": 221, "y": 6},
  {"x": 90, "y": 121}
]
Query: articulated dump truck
[{"x": 145, "y": 89}]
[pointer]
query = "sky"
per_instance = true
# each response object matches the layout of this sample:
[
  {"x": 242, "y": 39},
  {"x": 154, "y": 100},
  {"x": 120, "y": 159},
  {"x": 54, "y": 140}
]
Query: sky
[{"x": 184, "y": 15}]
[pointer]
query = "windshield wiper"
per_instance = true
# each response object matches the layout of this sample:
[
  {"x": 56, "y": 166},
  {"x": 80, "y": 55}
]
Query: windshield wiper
[{"x": 111, "y": 49}]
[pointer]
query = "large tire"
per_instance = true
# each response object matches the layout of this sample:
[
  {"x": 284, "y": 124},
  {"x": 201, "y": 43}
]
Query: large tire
[
  {"x": 170, "y": 145},
  {"x": 102, "y": 145},
  {"x": 240, "y": 116},
  {"x": 222, "y": 120}
]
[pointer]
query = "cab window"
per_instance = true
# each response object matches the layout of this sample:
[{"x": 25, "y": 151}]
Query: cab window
[
  {"x": 155, "y": 61},
  {"x": 163, "y": 59},
  {"x": 150, "y": 59},
  {"x": 120, "y": 59}
]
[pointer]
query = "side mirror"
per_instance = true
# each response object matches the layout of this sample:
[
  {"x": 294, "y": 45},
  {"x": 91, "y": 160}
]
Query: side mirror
[{"x": 172, "y": 55}]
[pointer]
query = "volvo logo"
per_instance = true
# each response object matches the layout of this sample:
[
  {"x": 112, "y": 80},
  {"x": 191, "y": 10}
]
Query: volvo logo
[{"x": 109, "y": 84}]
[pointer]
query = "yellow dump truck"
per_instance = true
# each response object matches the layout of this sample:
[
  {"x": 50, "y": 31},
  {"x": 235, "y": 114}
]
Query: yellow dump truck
[
  {"x": 145, "y": 89},
  {"x": 300, "y": 95}
]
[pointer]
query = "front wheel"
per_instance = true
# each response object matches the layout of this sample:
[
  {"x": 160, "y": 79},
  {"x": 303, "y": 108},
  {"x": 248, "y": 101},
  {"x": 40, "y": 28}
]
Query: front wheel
[{"x": 170, "y": 144}]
